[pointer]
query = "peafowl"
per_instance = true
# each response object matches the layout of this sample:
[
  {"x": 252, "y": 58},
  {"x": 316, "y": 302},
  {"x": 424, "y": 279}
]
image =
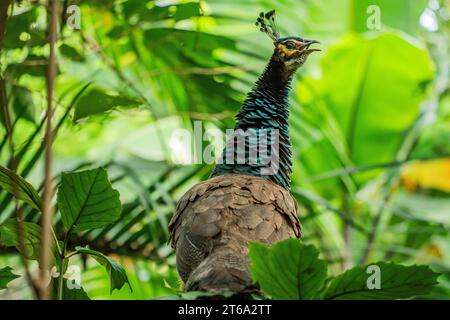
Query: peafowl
[{"x": 247, "y": 197}]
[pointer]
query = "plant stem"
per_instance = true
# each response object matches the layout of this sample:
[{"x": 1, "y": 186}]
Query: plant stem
[
  {"x": 61, "y": 267},
  {"x": 61, "y": 279}
]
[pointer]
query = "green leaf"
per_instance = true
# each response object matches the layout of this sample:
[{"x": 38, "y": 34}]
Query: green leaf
[
  {"x": 289, "y": 270},
  {"x": 176, "y": 12},
  {"x": 71, "y": 53},
  {"x": 19, "y": 188},
  {"x": 396, "y": 282},
  {"x": 363, "y": 119},
  {"x": 74, "y": 294},
  {"x": 186, "y": 11},
  {"x": 97, "y": 101},
  {"x": 6, "y": 276},
  {"x": 360, "y": 101},
  {"x": 116, "y": 272},
  {"x": 34, "y": 65},
  {"x": 87, "y": 200},
  {"x": 19, "y": 25},
  {"x": 69, "y": 293},
  {"x": 9, "y": 237},
  {"x": 23, "y": 104},
  {"x": 399, "y": 14}
]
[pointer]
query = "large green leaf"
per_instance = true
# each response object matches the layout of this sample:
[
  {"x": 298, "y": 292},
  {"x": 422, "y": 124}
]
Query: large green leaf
[
  {"x": 397, "y": 282},
  {"x": 117, "y": 274},
  {"x": 369, "y": 96},
  {"x": 6, "y": 276},
  {"x": 19, "y": 187},
  {"x": 289, "y": 270},
  {"x": 87, "y": 200},
  {"x": 399, "y": 14},
  {"x": 98, "y": 101},
  {"x": 373, "y": 114}
]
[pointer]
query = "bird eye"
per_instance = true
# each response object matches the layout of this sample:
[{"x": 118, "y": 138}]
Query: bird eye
[{"x": 290, "y": 45}]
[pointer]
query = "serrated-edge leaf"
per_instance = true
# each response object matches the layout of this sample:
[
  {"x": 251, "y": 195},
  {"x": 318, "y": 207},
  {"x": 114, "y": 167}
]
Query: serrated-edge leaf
[
  {"x": 87, "y": 200},
  {"x": 397, "y": 282},
  {"x": 303, "y": 272}
]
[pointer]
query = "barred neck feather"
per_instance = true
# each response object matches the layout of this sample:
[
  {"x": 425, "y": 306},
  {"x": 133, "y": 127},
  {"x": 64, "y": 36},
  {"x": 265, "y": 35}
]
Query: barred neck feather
[{"x": 265, "y": 108}]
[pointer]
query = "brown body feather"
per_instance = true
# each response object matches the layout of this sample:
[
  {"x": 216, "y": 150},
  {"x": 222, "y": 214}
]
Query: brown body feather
[{"x": 214, "y": 223}]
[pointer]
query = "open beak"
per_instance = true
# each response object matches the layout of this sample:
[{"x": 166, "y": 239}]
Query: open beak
[{"x": 306, "y": 45}]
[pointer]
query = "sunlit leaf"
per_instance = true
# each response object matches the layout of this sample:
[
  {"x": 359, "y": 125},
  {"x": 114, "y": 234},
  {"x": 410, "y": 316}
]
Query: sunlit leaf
[
  {"x": 18, "y": 25},
  {"x": 399, "y": 14},
  {"x": 98, "y": 101},
  {"x": 364, "y": 119}
]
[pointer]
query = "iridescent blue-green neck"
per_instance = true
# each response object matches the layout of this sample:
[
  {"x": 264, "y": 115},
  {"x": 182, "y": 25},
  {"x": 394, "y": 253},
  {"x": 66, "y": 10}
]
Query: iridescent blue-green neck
[{"x": 264, "y": 110}]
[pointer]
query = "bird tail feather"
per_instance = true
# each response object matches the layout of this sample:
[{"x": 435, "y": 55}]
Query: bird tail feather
[{"x": 222, "y": 270}]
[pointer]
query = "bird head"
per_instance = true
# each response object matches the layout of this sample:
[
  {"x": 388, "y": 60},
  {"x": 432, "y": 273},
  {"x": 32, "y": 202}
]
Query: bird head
[{"x": 292, "y": 51}]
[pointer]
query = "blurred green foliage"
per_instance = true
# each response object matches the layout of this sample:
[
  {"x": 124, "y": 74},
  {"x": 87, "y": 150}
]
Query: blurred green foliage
[{"x": 370, "y": 123}]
